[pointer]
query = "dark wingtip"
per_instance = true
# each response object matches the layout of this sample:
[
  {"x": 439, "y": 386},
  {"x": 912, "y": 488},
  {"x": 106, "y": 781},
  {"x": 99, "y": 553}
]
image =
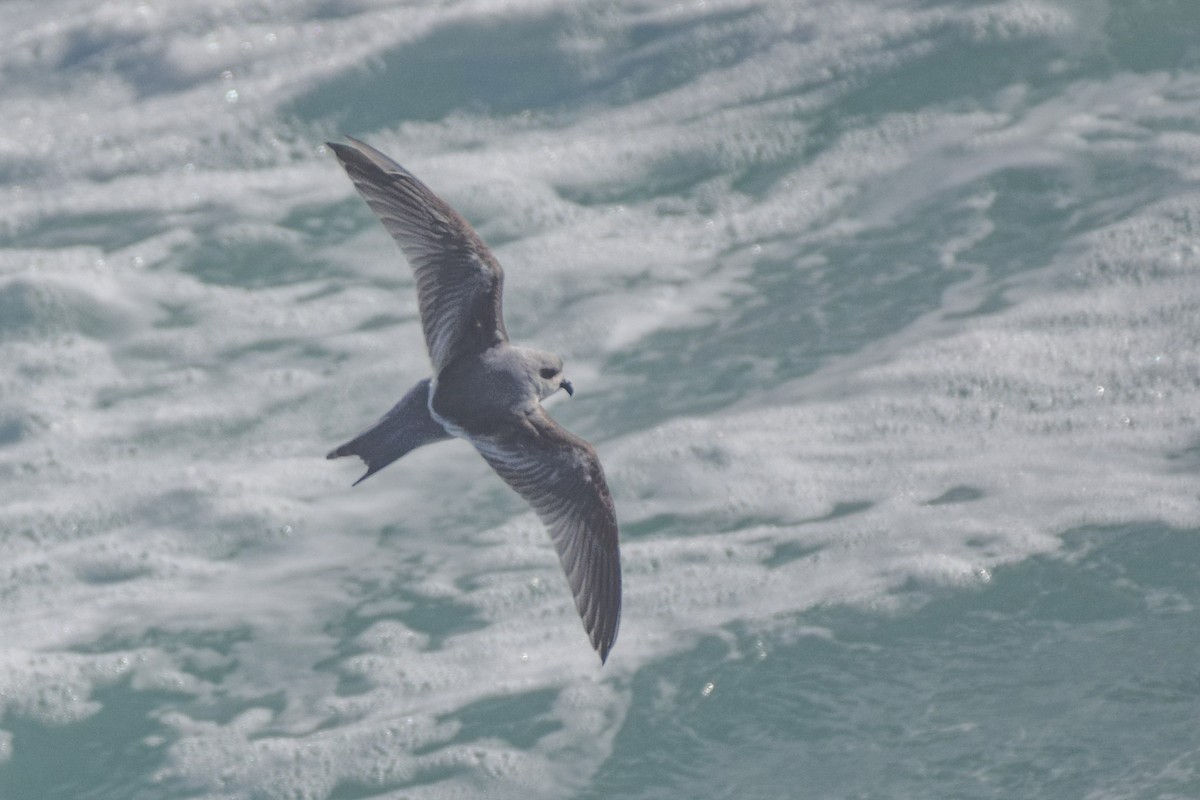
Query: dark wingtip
[
  {"x": 357, "y": 151},
  {"x": 604, "y": 648},
  {"x": 603, "y": 643},
  {"x": 342, "y": 151}
]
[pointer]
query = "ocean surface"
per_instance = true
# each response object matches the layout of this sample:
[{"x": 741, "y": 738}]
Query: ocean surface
[{"x": 884, "y": 317}]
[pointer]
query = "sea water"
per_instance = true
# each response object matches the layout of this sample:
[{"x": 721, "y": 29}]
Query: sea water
[{"x": 884, "y": 317}]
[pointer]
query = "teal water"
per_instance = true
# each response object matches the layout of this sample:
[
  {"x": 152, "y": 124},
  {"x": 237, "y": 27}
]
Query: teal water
[{"x": 884, "y": 317}]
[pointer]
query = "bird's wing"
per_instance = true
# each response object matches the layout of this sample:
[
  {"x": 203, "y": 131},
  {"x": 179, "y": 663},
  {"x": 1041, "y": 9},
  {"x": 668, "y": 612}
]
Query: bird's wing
[
  {"x": 560, "y": 475},
  {"x": 459, "y": 282}
]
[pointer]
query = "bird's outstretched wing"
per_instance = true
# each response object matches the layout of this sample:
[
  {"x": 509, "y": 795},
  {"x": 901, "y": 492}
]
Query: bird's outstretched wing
[
  {"x": 459, "y": 282},
  {"x": 560, "y": 475}
]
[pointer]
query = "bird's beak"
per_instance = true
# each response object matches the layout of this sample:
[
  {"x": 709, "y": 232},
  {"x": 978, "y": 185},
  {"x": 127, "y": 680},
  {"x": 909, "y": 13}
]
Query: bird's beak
[{"x": 566, "y": 385}]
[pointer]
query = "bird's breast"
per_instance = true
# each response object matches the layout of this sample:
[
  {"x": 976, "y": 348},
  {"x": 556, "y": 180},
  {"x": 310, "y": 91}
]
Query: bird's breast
[{"x": 476, "y": 396}]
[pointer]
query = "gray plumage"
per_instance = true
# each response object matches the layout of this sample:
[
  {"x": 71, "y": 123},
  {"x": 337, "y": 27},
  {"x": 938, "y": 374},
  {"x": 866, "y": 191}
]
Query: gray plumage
[{"x": 487, "y": 391}]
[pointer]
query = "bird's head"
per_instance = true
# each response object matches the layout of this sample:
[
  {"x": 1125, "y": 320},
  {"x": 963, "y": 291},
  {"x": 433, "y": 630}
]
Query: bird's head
[{"x": 547, "y": 370}]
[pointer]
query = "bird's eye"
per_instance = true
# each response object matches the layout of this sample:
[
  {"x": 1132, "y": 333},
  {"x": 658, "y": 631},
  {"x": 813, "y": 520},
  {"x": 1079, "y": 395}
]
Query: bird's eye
[{"x": 548, "y": 372}]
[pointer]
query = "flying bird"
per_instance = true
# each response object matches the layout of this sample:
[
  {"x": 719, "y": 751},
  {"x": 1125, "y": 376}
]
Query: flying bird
[{"x": 486, "y": 390}]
